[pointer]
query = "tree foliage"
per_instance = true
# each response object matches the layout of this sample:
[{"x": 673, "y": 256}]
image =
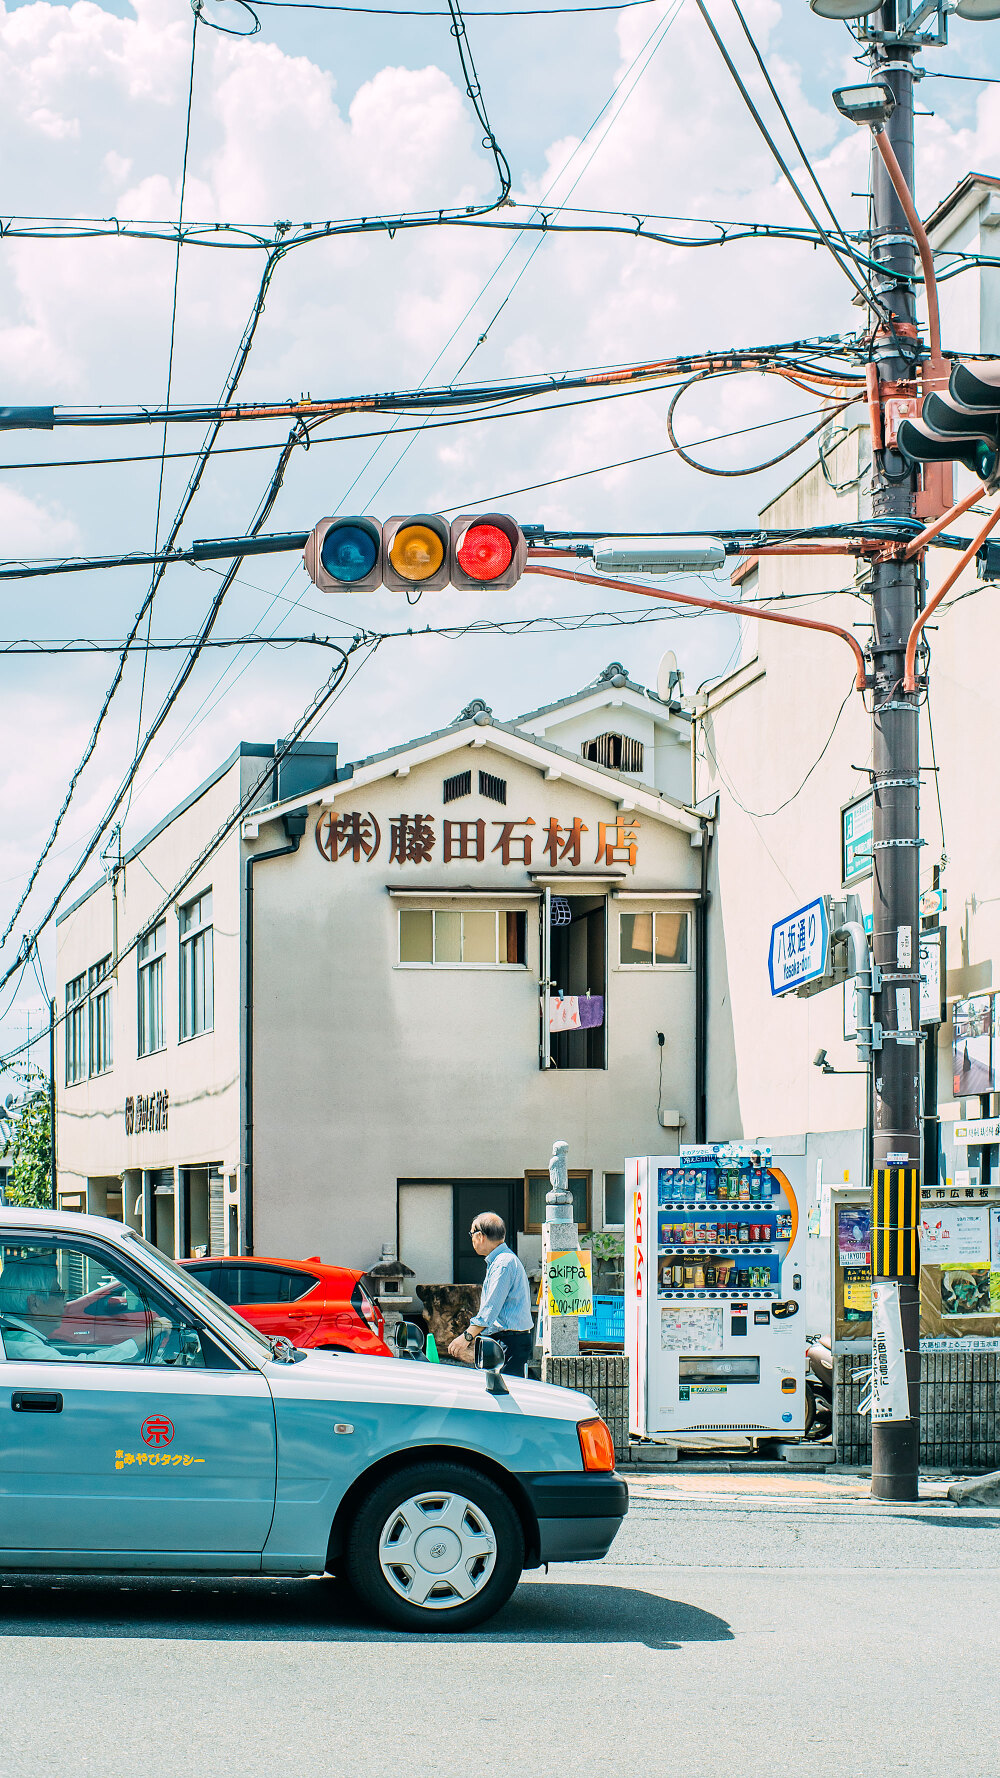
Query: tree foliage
[{"x": 30, "y": 1150}]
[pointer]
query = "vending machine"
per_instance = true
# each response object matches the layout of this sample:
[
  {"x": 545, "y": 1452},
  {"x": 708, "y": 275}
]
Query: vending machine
[{"x": 714, "y": 1282}]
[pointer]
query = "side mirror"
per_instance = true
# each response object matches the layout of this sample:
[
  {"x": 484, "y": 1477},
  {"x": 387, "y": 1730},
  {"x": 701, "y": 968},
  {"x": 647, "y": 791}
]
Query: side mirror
[
  {"x": 408, "y": 1340},
  {"x": 491, "y": 1358}
]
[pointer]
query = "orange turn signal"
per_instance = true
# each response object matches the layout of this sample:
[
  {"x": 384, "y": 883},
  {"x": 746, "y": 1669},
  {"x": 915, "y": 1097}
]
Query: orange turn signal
[{"x": 597, "y": 1447}]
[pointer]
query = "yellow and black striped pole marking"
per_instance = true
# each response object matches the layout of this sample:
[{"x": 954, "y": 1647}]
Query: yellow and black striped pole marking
[{"x": 895, "y": 1209}]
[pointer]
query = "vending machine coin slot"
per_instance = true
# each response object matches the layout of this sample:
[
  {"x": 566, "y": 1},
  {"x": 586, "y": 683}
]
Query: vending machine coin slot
[{"x": 762, "y": 1317}]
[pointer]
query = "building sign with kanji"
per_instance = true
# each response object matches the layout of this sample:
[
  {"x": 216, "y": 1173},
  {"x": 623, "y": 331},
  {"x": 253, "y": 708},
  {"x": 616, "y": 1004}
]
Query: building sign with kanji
[
  {"x": 800, "y": 947},
  {"x": 355, "y": 836},
  {"x": 146, "y": 1111}
]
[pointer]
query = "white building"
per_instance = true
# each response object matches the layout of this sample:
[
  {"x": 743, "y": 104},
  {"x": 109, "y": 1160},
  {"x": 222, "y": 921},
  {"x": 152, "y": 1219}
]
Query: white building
[{"x": 371, "y": 1008}]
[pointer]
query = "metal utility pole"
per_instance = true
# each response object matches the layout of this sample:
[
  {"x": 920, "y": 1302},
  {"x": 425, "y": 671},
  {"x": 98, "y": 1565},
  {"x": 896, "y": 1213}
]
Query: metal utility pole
[{"x": 896, "y": 595}]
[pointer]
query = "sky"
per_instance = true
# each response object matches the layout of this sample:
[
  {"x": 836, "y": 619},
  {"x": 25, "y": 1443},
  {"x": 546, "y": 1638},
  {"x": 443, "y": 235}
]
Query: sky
[{"x": 324, "y": 115}]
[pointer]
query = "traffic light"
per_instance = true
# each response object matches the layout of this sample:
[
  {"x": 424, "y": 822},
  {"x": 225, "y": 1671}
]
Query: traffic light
[
  {"x": 960, "y": 427},
  {"x": 345, "y": 555},
  {"x": 416, "y": 552},
  {"x": 487, "y": 550}
]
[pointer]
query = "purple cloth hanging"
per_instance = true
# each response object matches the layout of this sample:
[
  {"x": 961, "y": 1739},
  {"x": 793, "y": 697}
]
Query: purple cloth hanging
[{"x": 591, "y": 1011}]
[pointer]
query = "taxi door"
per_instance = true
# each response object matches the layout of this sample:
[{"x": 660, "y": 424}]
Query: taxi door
[{"x": 148, "y": 1451}]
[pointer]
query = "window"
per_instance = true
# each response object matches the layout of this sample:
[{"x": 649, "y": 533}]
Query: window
[
  {"x": 76, "y": 1029},
  {"x": 486, "y": 937},
  {"x": 614, "y": 1200},
  {"x": 459, "y": 785},
  {"x": 619, "y": 752},
  {"x": 536, "y": 1187},
  {"x": 99, "y": 1022},
  {"x": 494, "y": 788},
  {"x": 655, "y": 941},
  {"x": 61, "y": 1300},
  {"x": 150, "y": 954},
  {"x": 197, "y": 999}
]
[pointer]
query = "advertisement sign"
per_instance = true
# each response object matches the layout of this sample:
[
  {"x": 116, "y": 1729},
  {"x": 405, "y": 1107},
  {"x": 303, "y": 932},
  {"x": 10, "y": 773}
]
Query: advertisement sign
[
  {"x": 691, "y": 1330},
  {"x": 854, "y": 1234},
  {"x": 889, "y": 1395},
  {"x": 967, "y": 1292},
  {"x": 800, "y": 947},
  {"x": 857, "y": 1293},
  {"x": 954, "y": 1237},
  {"x": 856, "y": 819},
  {"x": 972, "y": 1046},
  {"x": 569, "y": 1279}
]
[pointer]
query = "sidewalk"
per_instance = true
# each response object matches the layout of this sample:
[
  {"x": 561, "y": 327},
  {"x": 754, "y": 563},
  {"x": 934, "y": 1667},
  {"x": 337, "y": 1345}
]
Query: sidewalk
[{"x": 841, "y": 1487}]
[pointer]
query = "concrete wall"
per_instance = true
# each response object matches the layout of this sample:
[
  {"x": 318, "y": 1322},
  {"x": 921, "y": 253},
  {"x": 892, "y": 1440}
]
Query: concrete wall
[
  {"x": 367, "y": 1073},
  {"x": 202, "y": 1074}
]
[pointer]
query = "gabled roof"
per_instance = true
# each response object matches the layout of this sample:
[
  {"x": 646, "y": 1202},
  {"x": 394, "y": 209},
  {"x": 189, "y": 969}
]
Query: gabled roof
[
  {"x": 502, "y": 737},
  {"x": 596, "y": 692}
]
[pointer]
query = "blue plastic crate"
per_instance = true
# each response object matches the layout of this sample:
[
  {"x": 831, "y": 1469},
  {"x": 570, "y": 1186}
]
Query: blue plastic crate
[{"x": 607, "y": 1323}]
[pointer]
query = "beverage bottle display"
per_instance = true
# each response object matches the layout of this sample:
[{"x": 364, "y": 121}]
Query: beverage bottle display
[
  {"x": 699, "y": 1277},
  {"x": 710, "y": 1277},
  {"x": 677, "y": 1274}
]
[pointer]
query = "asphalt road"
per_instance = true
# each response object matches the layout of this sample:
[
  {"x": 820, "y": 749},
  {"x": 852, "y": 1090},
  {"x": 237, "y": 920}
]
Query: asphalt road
[{"x": 749, "y": 1636}]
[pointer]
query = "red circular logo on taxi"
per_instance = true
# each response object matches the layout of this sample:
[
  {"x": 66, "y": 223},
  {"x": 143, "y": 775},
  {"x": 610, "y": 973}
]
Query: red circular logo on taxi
[{"x": 156, "y": 1429}]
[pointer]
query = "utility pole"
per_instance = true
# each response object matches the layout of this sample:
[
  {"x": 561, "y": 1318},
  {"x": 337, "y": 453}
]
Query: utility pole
[{"x": 896, "y": 592}]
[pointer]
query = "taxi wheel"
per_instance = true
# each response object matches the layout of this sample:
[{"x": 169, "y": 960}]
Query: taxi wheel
[{"x": 435, "y": 1547}]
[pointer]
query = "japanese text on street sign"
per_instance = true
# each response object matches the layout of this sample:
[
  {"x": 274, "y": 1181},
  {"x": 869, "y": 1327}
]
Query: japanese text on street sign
[
  {"x": 800, "y": 947},
  {"x": 570, "y": 1287}
]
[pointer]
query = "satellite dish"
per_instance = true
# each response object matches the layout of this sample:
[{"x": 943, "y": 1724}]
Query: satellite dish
[{"x": 667, "y": 676}]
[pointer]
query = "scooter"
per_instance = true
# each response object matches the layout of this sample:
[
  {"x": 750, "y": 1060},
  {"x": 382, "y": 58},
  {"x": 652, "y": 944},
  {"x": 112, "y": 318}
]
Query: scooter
[{"x": 819, "y": 1387}]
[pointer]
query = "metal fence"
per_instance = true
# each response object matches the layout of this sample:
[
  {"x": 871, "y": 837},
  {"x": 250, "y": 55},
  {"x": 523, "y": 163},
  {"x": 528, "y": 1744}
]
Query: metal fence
[
  {"x": 605, "y": 1379},
  {"x": 959, "y": 1411}
]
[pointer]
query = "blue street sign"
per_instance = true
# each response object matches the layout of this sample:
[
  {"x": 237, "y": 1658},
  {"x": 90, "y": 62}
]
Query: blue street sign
[{"x": 800, "y": 948}]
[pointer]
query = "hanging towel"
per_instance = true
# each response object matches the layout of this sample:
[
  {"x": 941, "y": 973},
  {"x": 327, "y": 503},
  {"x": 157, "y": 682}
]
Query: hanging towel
[
  {"x": 591, "y": 1010},
  {"x": 564, "y": 1012}
]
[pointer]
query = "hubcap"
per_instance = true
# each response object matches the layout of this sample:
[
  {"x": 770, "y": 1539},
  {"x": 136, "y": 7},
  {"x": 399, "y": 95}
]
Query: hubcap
[{"x": 437, "y": 1550}]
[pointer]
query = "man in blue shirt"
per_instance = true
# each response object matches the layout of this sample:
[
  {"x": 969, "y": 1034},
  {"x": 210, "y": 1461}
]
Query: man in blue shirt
[{"x": 504, "y": 1311}]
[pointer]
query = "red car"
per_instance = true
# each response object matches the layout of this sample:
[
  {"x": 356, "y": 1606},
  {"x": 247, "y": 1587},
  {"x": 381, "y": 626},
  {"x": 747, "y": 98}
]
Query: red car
[{"x": 324, "y": 1307}]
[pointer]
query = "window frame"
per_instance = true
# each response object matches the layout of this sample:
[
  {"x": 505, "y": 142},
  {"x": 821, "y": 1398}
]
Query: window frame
[
  {"x": 100, "y": 1018},
  {"x": 631, "y": 913},
  {"x": 153, "y": 964},
  {"x": 157, "y": 1297},
  {"x": 189, "y": 940},
  {"x": 584, "y": 1173},
  {"x": 77, "y": 1021},
  {"x": 613, "y": 1173},
  {"x": 498, "y": 913}
]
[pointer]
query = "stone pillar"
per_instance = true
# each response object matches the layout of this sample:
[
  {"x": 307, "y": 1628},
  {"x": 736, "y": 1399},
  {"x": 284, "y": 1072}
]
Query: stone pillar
[{"x": 561, "y": 1333}]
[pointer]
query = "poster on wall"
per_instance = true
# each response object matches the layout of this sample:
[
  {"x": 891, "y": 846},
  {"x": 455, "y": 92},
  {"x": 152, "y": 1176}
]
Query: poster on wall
[
  {"x": 857, "y": 1293},
  {"x": 972, "y": 1046},
  {"x": 691, "y": 1330},
  {"x": 953, "y": 1237},
  {"x": 967, "y": 1292},
  {"x": 854, "y": 1234},
  {"x": 890, "y": 1398}
]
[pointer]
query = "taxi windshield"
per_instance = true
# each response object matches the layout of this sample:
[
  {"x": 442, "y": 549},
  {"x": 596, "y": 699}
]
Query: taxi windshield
[{"x": 242, "y": 1333}]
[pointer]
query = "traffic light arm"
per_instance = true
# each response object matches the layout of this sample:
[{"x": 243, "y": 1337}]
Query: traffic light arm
[
  {"x": 924, "y": 248},
  {"x": 677, "y": 598},
  {"x": 909, "y": 673}
]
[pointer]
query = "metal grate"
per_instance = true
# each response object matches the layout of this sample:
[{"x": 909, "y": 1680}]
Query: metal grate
[
  {"x": 619, "y": 752},
  {"x": 959, "y": 1411},
  {"x": 494, "y": 788},
  {"x": 459, "y": 785},
  {"x": 605, "y": 1380}
]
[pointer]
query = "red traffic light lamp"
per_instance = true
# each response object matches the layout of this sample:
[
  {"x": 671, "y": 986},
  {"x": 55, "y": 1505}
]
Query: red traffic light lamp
[
  {"x": 487, "y": 550},
  {"x": 344, "y": 555}
]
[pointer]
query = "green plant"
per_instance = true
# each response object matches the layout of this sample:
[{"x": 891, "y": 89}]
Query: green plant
[
  {"x": 31, "y": 1145},
  {"x": 605, "y": 1244}
]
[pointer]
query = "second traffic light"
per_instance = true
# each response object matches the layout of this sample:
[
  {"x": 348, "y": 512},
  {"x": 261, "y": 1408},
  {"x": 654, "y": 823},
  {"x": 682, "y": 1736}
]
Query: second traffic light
[
  {"x": 960, "y": 427},
  {"x": 420, "y": 551}
]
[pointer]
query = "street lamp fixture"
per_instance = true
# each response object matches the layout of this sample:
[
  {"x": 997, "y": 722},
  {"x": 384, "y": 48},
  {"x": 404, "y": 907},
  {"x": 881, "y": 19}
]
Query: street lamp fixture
[
  {"x": 978, "y": 9},
  {"x": 666, "y": 555},
  {"x": 872, "y": 104},
  {"x": 844, "y": 9}
]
